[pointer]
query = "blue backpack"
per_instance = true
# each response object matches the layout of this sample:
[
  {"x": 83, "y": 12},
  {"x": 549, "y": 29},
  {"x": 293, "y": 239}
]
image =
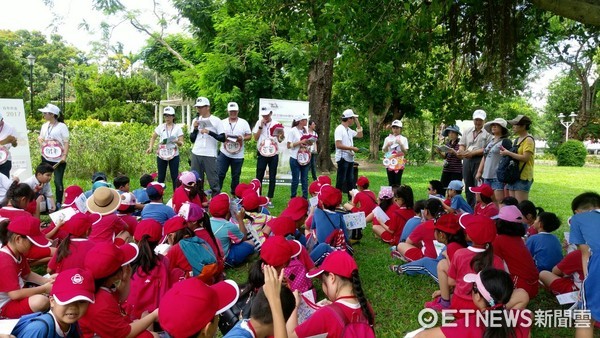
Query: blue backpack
[
  {"x": 200, "y": 256},
  {"x": 43, "y": 317}
]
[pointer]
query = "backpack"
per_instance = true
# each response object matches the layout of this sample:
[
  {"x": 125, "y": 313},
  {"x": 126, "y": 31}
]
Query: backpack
[
  {"x": 354, "y": 328},
  {"x": 240, "y": 310},
  {"x": 146, "y": 291},
  {"x": 337, "y": 238},
  {"x": 295, "y": 273},
  {"x": 26, "y": 320},
  {"x": 201, "y": 257},
  {"x": 508, "y": 169}
]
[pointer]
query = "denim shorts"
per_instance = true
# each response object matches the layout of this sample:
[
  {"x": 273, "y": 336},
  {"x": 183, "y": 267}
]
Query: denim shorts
[
  {"x": 520, "y": 185},
  {"x": 494, "y": 183}
]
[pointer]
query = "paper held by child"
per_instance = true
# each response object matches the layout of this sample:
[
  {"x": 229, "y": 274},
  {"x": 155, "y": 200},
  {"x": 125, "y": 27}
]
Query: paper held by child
[
  {"x": 381, "y": 216},
  {"x": 355, "y": 220},
  {"x": 313, "y": 201},
  {"x": 62, "y": 215},
  {"x": 80, "y": 202},
  {"x": 567, "y": 298},
  {"x": 278, "y": 131}
]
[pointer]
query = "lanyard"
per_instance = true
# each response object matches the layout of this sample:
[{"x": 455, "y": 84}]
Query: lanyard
[
  {"x": 166, "y": 131},
  {"x": 232, "y": 127},
  {"x": 50, "y": 127}
]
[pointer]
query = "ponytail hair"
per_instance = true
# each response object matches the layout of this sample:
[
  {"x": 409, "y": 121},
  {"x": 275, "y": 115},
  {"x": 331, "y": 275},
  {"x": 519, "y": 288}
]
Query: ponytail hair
[
  {"x": 5, "y": 234},
  {"x": 62, "y": 251},
  {"x": 500, "y": 286},
  {"x": 362, "y": 299},
  {"x": 434, "y": 207},
  {"x": 484, "y": 259},
  {"x": 182, "y": 233},
  {"x": 146, "y": 259},
  {"x": 16, "y": 191},
  {"x": 385, "y": 203},
  {"x": 206, "y": 225}
]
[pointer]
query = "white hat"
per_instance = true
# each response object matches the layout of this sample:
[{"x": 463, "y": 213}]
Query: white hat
[
  {"x": 264, "y": 110},
  {"x": 50, "y": 108},
  {"x": 201, "y": 102},
  {"x": 169, "y": 111},
  {"x": 397, "y": 123},
  {"x": 479, "y": 114},
  {"x": 301, "y": 117},
  {"x": 499, "y": 121},
  {"x": 232, "y": 106},
  {"x": 348, "y": 113}
]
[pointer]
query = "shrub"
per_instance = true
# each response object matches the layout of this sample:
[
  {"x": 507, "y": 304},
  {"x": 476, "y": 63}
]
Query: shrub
[{"x": 571, "y": 154}]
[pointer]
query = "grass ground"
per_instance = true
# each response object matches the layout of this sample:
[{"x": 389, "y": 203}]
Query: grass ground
[{"x": 397, "y": 300}]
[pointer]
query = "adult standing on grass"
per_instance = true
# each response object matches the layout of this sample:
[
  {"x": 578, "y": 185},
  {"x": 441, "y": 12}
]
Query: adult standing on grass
[
  {"x": 471, "y": 152},
  {"x": 268, "y": 148},
  {"x": 397, "y": 144},
  {"x": 167, "y": 154},
  {"x": 8, "y": 138},
  {"x": 207, "y": 129},
  {"x": 237, "y": 131},
  {"x": 524, "y": 155},
  {"x": 312, "y": 130},
  {"x": 299, "y": 155},
  {"x": 491, "y": 156},
  {"x": 345, "y": 149},
  {"x": 54, "y": 145},
  {"x": 453, "y": 168}
]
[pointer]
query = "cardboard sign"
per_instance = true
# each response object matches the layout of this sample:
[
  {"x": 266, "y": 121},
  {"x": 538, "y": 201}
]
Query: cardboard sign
[{"x": 14, "y": 114}]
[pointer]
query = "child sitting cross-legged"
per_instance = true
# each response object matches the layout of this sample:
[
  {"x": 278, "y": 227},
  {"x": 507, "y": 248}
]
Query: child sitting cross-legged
[
  {"x": 544, "y": 246},
  {"x": 457, "y": 202}
]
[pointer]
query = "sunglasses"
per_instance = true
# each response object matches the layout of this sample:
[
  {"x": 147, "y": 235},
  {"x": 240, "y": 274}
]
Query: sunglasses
[{"x": 168, "y": 115}]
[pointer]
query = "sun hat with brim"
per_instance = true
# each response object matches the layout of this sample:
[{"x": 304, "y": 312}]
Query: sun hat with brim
[
  {"x": 296, "y": 209},
  {"x": 73, "y": 285},
  {"x": 520, "y": 120},
  {"x": 190, "y": 305},
  {"x": 104, "y": 201},
  {"x": 453, "y": 128},
  {"x": 50, "y": 108},
  {"x": 447, "y": 223},
  {"x": 127, "y": 200},
  {"x": 105, "y": 258},
  {"x": 499, "y": 121},
  {"x": 480, "y": 229},
  {"x": 149, "y": 227},
  {"x": 277, "y": 250},
  {"x": 282, "y": 225},
  {"x": 29, "y": 226},
  {"x": 338, "y": 262},
  {"x": 484, "y": 190},
  {"x": 510, "y": 213},
  {"x": 78, "y": 225}
]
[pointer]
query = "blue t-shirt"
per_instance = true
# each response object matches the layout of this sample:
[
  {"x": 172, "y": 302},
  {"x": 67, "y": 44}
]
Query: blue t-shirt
[
  {"x": 157, "y": 211},
  {"x": 584, "y": 230},
  {"x": 240, "y": 330},
  {"x": 545, "y": 249},
  {"x": 410, "y": 225},
  {"x": 459, "y": 203},
  {"x": 141, "y": 196},
  {"x": 324, "y": 222}
]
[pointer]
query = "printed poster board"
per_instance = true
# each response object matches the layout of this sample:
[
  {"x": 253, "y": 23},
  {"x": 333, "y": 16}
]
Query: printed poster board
[{"x": 13, "y": 112}]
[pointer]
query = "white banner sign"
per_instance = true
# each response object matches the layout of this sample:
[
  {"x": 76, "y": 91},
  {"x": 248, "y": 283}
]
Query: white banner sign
[
  {"x": 284, "y": 112},
  {"x": 14, "y": 115}
]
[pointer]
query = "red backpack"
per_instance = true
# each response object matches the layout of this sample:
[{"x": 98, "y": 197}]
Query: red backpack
[{"x": 354, "y": 328}]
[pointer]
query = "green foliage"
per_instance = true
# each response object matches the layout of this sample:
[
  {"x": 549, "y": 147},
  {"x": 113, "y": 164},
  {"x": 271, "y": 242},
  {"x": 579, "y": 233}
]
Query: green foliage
[
  {"x": 564, "y": 94},
  {"x": 571, "y": 154},
  {"x": 12, "y": 84}
]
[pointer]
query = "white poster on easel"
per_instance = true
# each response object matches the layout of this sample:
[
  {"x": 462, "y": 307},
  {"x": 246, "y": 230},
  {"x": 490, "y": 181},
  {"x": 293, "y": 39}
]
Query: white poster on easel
[
  {"x": 284, "y": 112},
  {"x": 13, "y": 112}
]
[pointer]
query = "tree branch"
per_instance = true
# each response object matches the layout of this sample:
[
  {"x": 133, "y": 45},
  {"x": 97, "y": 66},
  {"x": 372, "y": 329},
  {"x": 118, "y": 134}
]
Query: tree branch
[{"x": 586, "y": 12}]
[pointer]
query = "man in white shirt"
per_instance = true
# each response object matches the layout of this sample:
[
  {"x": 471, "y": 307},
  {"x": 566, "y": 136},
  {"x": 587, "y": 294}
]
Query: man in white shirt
[
  {"x": 345, "y": 149},
  {"x": 8, "y": 138},
  {"x": 262, "y": 135},
  {"x": 470, "y": 150},
  {"x": 206, "y": 131},
  {"x": 237, "y": 131}
]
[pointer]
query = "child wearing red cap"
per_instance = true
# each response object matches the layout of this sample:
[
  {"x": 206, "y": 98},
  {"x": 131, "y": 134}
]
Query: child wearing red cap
[
  {"x": 297, "y": 211},
  {"x": 72, "y": 250},
  {"x": 491, "y": 290},
  {"x": 252, "y": 204},
  {"x": 364, "y": 200},
  {"x": 232, "y": 237},
  {"x": 18, "y": 236},
  {"x": 71, "y": 294},
  {"x": 342, "y": 286},
  {"x": 126, "y": 211},
  {"x": 391, "y": 230},
  {"x": 509, "y": 246},
  {"x": 109, "y": 266},
  {"x": 485, "y": 205}
]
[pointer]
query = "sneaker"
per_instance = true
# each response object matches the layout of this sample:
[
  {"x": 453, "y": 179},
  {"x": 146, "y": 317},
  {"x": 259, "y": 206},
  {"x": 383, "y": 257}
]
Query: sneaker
[
  {"x": 270, "y": 205},
  {"x": 396, "y": 255},
  {"x": 396, "y": 269},
  {"x": 438, "y": 304}
]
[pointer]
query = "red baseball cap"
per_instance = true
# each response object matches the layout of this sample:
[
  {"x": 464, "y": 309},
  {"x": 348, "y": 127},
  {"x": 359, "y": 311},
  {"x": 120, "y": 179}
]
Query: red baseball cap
[
  {"x": 172, "y": 225},
  {"x": 127, "y": 200},
  {"x": 105, "y": 258},
  {"x": 282, "y": 225},
  {"x": 484, "y": 190},
  {"x": 255, "y": 183},
  {"x": 480, "y": 229},
  {"x": 251, "y": 200},
  {"x": 78, "y": 225},
  {"x": 510, "y": 213},
  {"x": 330, "y": 196},
  {"x": 275, "y": 126},
  {"x": 314, "y": 187},
  {"x": 324, "y": 179},
  {"x": 277, "y": 250},
  {"x": 296, "y": 209},
  {"x": 219, "y": 205},
  {"x": 71, "y": 194},
  {"x": 73, "y": 285},
  {"x": 191, "y": 212},
  {"x": 29, "y": 226},
  {"x": 362, "y": 181},
  {"x": 447, "y": 223},
  {"x": 338, "y": 262},
  {"x": 189, "y": 305},
  {"x": 241, "y": 188},
  {"x": 148, "y": 227}
]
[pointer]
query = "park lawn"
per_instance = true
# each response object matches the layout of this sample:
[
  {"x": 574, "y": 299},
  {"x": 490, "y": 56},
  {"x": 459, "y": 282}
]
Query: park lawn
[{"x": 398, "y": 300}]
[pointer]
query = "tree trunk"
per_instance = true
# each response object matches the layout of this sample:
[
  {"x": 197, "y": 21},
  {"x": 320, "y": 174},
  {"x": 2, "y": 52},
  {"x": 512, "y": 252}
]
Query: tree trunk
[
  {"x": 588, "y": 94},
  {"x": 584, "y": 11},
  {"x": 320, "y": 83}
]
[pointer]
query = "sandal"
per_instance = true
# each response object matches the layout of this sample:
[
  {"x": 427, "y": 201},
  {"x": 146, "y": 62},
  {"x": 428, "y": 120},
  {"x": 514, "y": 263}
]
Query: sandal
[{"x": 396, "y": 269}]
